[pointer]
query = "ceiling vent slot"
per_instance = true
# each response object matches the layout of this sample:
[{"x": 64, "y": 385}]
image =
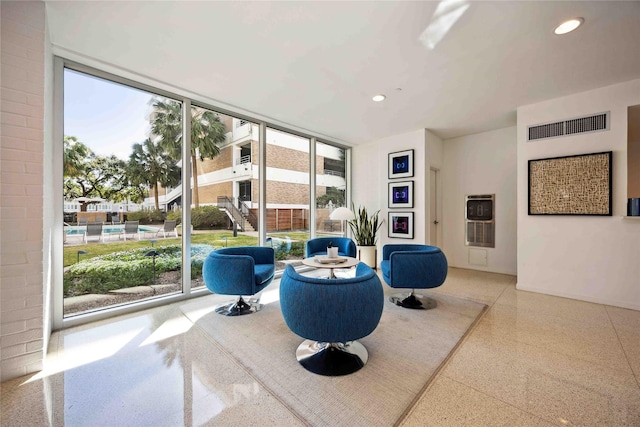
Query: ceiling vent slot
[
  {"x": 595, "y": 123},
  {"x": 549, "y": 130}
]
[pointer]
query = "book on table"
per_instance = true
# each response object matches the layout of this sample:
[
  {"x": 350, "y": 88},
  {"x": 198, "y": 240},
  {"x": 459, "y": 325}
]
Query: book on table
[{"x": 324, "y": 259}]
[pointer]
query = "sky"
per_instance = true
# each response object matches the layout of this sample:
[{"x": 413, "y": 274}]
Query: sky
[{"x": 105, "y": 116}]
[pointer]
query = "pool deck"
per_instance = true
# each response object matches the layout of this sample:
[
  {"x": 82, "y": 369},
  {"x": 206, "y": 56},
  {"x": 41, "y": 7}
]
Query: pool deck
[
  {"x": 146, "y": 234},
  {"x": 74, "y": 234}
]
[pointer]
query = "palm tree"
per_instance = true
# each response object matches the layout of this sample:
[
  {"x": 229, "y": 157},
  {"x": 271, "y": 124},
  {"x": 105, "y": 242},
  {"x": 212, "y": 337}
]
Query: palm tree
[
  {"x": 208, "y": 133},
  {"x": 150, "y": 165}
]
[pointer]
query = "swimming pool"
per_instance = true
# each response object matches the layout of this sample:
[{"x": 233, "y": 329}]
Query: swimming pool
[{"x": 79, "y": 230}]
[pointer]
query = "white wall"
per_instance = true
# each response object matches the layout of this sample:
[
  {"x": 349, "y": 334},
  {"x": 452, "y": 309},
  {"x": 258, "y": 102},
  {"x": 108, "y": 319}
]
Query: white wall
[
  {"x": 434, "y": 160},
  {"x": 633, "y": 152},
  {"x": 367, "y": 177},
  {"x": 483, "y": 163},
  {"x": 590, "y": 258},
  {"x": 370, "y": 179}
]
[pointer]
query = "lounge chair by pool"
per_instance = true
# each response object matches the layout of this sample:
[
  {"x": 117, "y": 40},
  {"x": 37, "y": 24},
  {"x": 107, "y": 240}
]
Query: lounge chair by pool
[
  {"x": 131, "y": 228},
  {"x": 94, "y": 229},
  {"x": 168, "y": 227}
]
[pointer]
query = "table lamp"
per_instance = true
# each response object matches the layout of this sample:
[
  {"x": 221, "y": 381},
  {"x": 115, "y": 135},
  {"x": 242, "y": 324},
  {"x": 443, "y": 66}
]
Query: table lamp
[{"x": 342, "y": 214}]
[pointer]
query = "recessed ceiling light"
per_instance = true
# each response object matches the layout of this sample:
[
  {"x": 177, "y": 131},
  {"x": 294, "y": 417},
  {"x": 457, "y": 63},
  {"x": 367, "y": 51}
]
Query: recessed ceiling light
[
  {"x": 568, "y": 26},
  {"x": 378, "y": 98}
]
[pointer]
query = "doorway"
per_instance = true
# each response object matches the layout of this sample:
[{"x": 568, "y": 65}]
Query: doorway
[
  {"x": 244, "y": 191},
  {"x": 434, "y": 222}
]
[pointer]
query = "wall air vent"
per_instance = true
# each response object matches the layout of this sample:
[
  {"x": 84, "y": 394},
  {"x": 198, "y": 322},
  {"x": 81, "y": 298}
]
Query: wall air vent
[
  {"x": 594, "y": 123},
  {"x": 480, "y": 220},
  {"x": 480, "y": 233}
]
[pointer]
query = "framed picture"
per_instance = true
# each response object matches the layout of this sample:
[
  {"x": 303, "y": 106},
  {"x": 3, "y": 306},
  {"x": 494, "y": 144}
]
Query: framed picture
[
  {"x": 401, "y": 194},
  {"x": 401, "y": 225},
  {"x": 571, "y": 185},
  {"x": 401, "y": 164}
]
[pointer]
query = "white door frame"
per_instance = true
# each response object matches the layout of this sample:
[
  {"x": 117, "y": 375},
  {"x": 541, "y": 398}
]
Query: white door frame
[{"x": 435, "y": 207}]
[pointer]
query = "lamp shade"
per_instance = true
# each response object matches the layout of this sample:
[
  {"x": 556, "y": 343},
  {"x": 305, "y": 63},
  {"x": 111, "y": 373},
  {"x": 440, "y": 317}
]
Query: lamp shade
[{"x": 342, "y": 214}]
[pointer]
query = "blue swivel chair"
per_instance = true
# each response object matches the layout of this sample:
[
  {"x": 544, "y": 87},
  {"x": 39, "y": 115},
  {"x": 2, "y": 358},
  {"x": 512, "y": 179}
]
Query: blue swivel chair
[
  {"x": 413, "y": 267},
  {"x": 331, "y": 314},
  {"x": 318, "y": 246},
  {"x": 241, "y": 270}
]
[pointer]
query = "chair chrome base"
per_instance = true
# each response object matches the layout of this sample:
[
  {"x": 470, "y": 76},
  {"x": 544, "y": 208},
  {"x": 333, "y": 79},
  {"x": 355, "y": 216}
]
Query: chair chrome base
[
  {"x": 238, "y": 307},
  {"x": 332, "y": 359},
  {"x": 413, "y": 301}
]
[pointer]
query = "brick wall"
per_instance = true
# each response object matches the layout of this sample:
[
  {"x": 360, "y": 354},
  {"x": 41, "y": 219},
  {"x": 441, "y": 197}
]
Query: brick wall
[
  {"x": 210, "y": 193},
  {"x": 287, "y": 193},
  {"x": 286, "y": 158},
  {"x": 221, "y": 161},
  {"x": 21, "y": 205}
]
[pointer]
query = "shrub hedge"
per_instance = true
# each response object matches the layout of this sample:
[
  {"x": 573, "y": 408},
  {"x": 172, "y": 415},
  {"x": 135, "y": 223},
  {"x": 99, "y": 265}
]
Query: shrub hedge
[
  {"x": 146, "y": 216},
  {"x": 130, "y": 268},
  {"x": 208, "y": 218},
  {"x": 285, "y": 248},
  {"x": 203, "y": 218}
]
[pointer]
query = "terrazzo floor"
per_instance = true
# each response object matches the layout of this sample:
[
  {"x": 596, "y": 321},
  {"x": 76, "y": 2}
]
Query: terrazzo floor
[{"x": 532, "y": 360}]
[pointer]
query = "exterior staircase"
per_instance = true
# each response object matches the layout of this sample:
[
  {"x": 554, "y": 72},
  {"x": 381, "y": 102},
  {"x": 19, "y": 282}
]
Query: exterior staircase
[{"x": 238, "y": 212}]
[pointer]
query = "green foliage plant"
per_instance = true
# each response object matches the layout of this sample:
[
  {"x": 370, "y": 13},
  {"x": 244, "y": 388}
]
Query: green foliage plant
[
  {"x": 364, "y": 226},
  {"x": 217, "y": 238},
  {"x": 208, "y": 134},
  {"x": 146, "y": 216},
  {"x": 175, "y": 216},
  {"x": 150, "y": 166},
  {"x": 129, "y": 268},
  {"x": 87, "y": 174},
  {"x": 208, "y": 218},
  {"x": 202, "y": 218},
  {"x": 332, "y": 195}
]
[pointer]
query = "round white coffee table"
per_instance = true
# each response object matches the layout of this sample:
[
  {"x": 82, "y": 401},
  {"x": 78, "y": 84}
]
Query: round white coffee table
[{"x": 340, "y": 262}]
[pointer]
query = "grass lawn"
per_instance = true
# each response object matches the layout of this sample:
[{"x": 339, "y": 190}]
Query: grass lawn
[{"x": 216, "y": 238}]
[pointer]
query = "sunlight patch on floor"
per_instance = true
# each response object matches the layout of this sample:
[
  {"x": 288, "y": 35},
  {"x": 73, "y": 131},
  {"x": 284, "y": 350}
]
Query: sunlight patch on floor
[
  {"x": 85, "y": 353},
  {"x": 170, "y": 328}
]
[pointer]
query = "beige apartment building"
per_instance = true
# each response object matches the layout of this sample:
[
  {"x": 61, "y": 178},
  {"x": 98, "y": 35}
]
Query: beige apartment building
[{"x": 230, "y": 180}]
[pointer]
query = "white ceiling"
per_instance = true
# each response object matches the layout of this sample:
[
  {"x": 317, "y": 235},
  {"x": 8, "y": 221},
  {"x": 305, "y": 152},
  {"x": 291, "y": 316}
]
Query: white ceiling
[{"x": 316, "y": 65}]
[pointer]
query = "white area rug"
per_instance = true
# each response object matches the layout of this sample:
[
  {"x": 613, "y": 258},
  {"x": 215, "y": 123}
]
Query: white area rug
[{"x": 405, "y": 351}]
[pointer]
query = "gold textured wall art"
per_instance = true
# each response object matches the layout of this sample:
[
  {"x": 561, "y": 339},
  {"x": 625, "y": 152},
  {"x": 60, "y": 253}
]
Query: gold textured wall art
[{"x": 571, "y": 185}]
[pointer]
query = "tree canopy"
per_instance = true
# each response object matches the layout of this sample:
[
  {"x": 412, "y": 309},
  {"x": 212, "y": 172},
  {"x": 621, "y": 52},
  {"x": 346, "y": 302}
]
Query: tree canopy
[
  {"x": 152, "y": 163},
  {"x": 332, "y": 194},
  {"x": 87, "y": 175}
]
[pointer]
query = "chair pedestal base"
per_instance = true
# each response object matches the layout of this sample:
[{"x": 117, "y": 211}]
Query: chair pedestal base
[
  {"x": 332, "y": 359},
  {"x": 413, "y": 301},
  {"x": 238, "y": 308}
]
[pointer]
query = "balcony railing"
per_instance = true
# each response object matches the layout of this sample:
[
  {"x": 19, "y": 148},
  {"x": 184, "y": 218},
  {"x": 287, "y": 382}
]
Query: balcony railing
[
  {"x": 244, "y": 159},
  {"x": 334, "y": 173}
]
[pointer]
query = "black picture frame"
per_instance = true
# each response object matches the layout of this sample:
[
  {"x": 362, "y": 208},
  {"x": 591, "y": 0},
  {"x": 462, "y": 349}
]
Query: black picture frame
[
  {"x": 400, "y": 194},
  {"x": 400, "y": 225},
  {"x": 580, "y": 184},
  {"x": 401, "y": 164}
]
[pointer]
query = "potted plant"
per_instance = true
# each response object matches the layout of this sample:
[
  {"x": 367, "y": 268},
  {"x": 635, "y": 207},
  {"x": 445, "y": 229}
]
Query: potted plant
[{"x": 365, "y": 232}]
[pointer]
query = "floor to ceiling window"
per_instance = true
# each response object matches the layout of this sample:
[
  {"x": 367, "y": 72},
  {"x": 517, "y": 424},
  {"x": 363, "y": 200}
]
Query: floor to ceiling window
[
  {"x": 133, "y": 176},
  {"x": 224, "y": 166},
  {"x": 288, "y": 195},
  {"x": 331, "y": 188},
  {"x": 120, "y": 170}
]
